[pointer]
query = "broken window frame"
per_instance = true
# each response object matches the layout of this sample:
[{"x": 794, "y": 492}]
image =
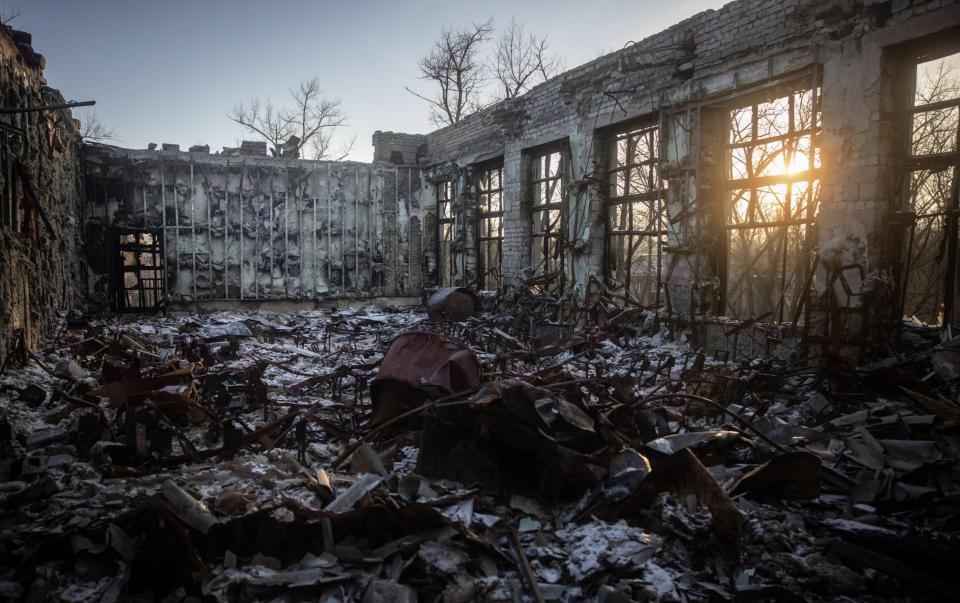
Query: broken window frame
[
  {"x": 446, "y": 233},
  {"x": 652, "y": 201},
  {"x": 150, "y": 290},
  {"x": 548, "y": 194},
  {"x": 490, "y": 277},
  {"x": 752, "y": 185},
  {"x": 944, "y": 280}
]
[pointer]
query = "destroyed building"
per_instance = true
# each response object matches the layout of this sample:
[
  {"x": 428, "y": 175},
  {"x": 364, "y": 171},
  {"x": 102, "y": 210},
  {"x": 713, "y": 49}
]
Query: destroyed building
[
  {"x": 760, "y": 164},
  {"x": 695, "y": 326}
]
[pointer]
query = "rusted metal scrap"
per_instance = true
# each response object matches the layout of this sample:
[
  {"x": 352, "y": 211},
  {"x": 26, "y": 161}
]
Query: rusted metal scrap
[
  {"x": 512, "y": 436},
  {"x": 418, "y": 366},
  {"x": 453, "y": 303}
]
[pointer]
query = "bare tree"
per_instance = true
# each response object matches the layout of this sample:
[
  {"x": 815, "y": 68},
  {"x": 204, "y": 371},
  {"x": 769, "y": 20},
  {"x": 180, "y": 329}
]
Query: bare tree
[
  {"x": 322, "y": 146},
  {"x": 263, "y": 119},
  {"x": 308, "y": 123},
  {"x": 522, "y": 60},
  {"x": 313, "y": 117},
  {"x": 92, "y": 129},
  {"x": 455, "y": 68},
  {"x": 930, "y": 189},
  {"x": 9, "y": 14}
]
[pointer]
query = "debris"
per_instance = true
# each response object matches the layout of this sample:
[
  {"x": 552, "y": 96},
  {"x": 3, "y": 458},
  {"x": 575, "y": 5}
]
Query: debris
[
  {"x": 792, "y": 476},
  {"x": 509, "y": 437},
  {"x": 418, "y": 366},
  {"x": 625, "y": 467},
  {"x": 354, "y": 493},
  {"x": 453, "y": 303},
  {"x": 193, "y": 513}
]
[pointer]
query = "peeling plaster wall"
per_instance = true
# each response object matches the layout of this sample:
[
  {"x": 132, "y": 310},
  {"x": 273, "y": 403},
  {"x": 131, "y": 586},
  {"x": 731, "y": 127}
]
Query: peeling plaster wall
[
  {"x": 259, "y": 228},
  {"x": 686, "y": 78},
  {"x": 40, "y": 267}
]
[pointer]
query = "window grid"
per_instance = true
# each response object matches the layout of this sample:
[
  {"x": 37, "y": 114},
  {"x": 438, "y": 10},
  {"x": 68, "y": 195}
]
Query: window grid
[
  {"x": 772, "y": 182},
  {"x": 635, "y": 223},
  {"x": 141, "y": 284},
  {"x": 490, "y": 239},
  {"x": 929, "y": 183},
  {"x": 447, "y": 226},
  {"x": 548, "y": 217}
]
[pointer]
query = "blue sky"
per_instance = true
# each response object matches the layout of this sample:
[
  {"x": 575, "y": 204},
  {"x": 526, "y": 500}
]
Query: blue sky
[{"x": 169, "y": 71}]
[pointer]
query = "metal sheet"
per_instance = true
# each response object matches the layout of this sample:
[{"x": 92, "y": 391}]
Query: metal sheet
[
  {"x": 453, "y": 303},
  {"x": 418, "y": 366}
]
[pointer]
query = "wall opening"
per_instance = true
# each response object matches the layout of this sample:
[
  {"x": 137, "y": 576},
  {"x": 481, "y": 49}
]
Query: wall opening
[
  {"x": 772, "y": 190},
  {"x": 930, "y": 190},
  {"x": 548, "y": 218},
  {"x": 138, "y": 279},
  {"x": 490, "y": 218},
  {"x": 447, "y": 233},
  {"x": 635, "y": 214}
]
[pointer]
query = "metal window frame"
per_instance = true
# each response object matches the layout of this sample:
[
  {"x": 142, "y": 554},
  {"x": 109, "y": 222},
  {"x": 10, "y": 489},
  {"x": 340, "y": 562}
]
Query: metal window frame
[
  {"x": 483, "y": 216},
  {"x": 632, "y": 133},
  {"x": 911, "y": 163},
  {"x": 121, "y": 301},
  {"x": 556, "y": 231},
  {"x": 752, "y": 183},
  {"x": 444, "y": 197}
]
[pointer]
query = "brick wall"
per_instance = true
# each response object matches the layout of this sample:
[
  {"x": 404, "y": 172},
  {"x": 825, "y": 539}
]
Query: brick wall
[
  {"x": 41, "y": 274},
  {"x": 698, "y": 68}
]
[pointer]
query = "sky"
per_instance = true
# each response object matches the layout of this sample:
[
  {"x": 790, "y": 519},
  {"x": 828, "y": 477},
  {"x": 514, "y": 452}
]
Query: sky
[{"x": 169, "y": 71}]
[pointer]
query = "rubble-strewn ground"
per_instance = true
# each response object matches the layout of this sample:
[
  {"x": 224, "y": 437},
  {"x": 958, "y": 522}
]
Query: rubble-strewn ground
[{"x": 226, "y": 462}]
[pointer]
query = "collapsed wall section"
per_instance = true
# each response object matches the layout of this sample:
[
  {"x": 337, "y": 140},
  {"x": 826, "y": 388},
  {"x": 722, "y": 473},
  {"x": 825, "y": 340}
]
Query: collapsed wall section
[
  {"x": 41, "y": 187},
  {"x": 256, "y": 228}
]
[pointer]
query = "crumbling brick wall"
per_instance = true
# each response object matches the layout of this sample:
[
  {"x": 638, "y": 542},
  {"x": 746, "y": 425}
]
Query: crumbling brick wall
[
  {"x": 41, "y": 274},
  {"x": 399, "y": 149},
  {"x": 687, "y": 78}
]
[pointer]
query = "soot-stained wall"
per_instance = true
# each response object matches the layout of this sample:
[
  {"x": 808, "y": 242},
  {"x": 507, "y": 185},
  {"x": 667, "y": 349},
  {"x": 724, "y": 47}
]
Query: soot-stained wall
[
  {"x": 261, "y": 228},
  {"x": 41, "y": 186}
]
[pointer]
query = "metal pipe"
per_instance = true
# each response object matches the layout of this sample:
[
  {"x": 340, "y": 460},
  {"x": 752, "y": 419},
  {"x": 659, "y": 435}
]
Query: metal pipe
[
  {"x": 163, "y": 203},
  {"x": 371, "y": 227},
  {"x": 329, "y": 217},
  {"x": 243, "y": 231},
  {"x": 193, "y": 234},
  {"x": 176, "y": 228},
  {"x": 226, "y": 229},
  {"x": 206, "y": 196},
  {"x": 410, "y": 230},
  {"x": 270, "y": 224},
  {"x": 356, "y": 231},
  {"x": 256, "y": 240},
  {"x": 299, "y": 191},
  {"x": 68, "y": 105},
  {"x": 396, "y": 229},
  {"x": 143, "y": 189}
]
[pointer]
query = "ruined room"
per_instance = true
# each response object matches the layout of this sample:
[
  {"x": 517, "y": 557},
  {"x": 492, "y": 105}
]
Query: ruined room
[{"x": 622, "y": 302}]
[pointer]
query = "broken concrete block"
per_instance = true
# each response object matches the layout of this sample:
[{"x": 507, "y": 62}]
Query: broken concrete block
[{"x": 43, "y": 437}]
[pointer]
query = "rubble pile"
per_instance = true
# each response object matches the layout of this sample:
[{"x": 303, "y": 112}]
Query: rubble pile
[{"x": 387, "y": 455}]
